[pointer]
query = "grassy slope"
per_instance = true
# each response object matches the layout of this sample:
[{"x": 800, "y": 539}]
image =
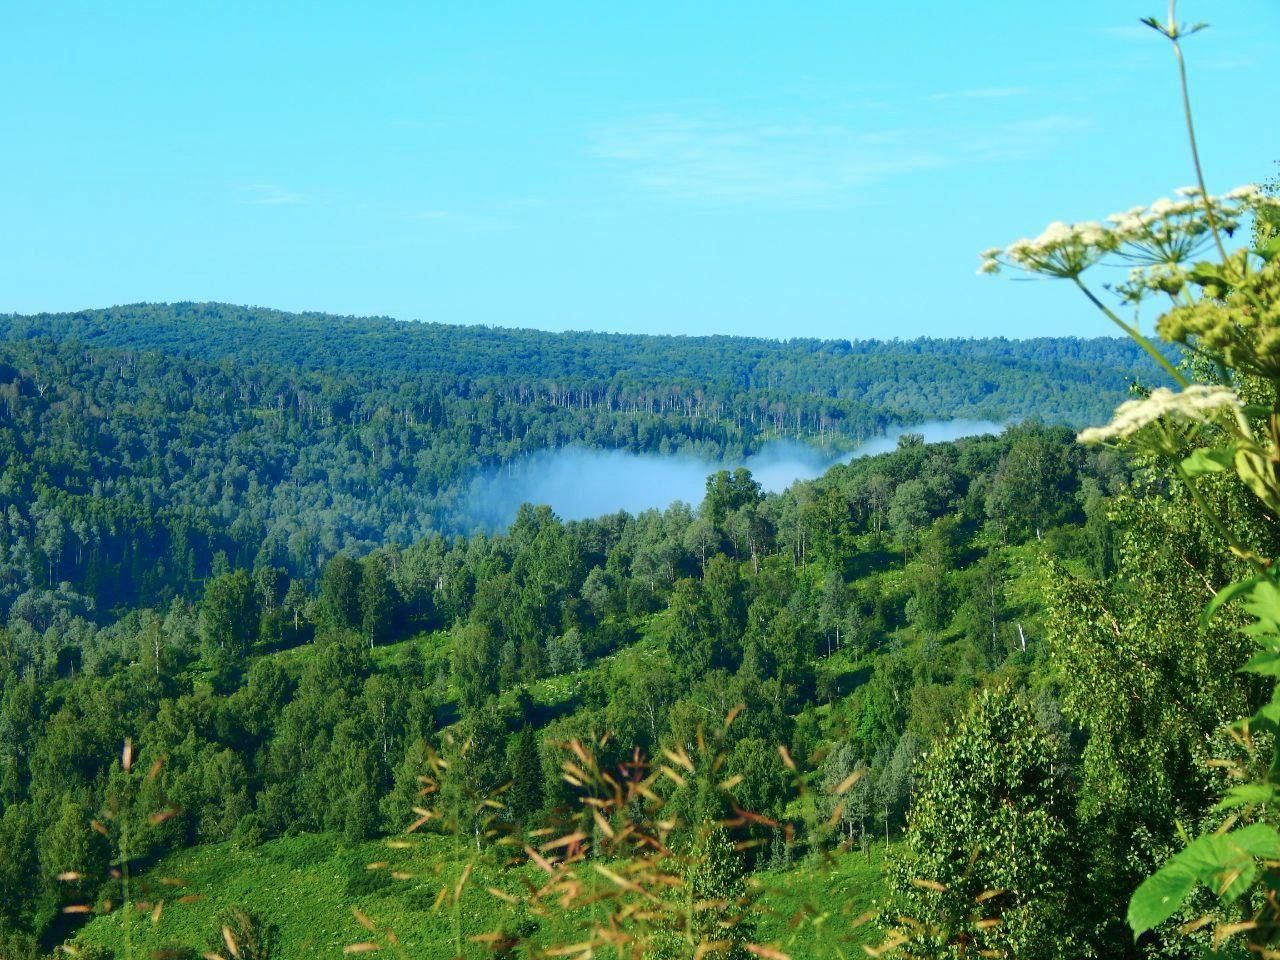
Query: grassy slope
[
  {"x": 811, "y": 911},
  {"x": 308, "y": 886}
]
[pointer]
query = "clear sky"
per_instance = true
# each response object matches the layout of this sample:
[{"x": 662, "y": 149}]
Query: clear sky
[{"x": 776, "y": 169}]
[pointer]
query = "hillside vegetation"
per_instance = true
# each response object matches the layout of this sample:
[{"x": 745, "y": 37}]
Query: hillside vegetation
[
  {"x": 143, "y": 449},
  {"x": 262, "y": 696},
  {"x": 848, "y": 619},
  {"x": 228, "y": 548}
]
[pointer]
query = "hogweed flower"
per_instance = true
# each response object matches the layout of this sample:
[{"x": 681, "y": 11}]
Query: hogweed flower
[
  {"x": 1062, "y": 250},
  {"x": 1167, "y": 278},
  {"x": 1197, "y": 403},
  {"x": 1248, "y": 191},
  {"x": 1166, "y": 234}
]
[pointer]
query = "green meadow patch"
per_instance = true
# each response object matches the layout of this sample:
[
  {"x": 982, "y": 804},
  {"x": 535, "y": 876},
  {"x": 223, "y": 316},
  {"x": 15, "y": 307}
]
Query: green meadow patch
[{"x": 309, "y": 887}]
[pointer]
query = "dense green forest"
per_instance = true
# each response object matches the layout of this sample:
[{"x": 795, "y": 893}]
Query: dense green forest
[
  {"x": 233, "y": 546},
  {"x": 262, "y": 698},
  {"x": 268, "y": 689},
  {"x": 797, "y": 387},
  {"x": 244, "y": 650},
  {"x": 851, "y": 619},
  {"x": 246, "y": 647},
  {"x": 146, "y": 448}
]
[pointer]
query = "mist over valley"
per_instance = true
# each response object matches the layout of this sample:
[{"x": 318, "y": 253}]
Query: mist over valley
[{"x": 579, "y": 482}]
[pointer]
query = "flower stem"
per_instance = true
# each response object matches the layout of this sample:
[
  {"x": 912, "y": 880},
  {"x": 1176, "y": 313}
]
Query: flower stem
[
  {"x": 1173, "y": 36},
  {"x": 1135, "y": 334}
]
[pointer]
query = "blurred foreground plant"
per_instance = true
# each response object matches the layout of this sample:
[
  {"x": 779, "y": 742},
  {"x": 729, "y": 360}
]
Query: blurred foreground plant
[
  {"x": 135, "y": 809},
  {"x": 650, "y": 860}
]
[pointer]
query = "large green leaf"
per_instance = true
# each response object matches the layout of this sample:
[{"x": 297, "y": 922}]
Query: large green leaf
[
  {"x": 1255, "y": 840},
  {"x": 1225, "y": 863},
  {"x": 1266, "y": 664},
  {"x": 1267, "y": 718},
  {"x": 1205, "y": 460},
  {"x": 1264, "y": 604},
  {"x": 1247, "y": 795},
  {"x": 1159, "y": 897}
]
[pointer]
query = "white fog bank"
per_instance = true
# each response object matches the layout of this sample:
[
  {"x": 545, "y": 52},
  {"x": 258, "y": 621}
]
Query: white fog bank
[{"x": 578, "y": 482}]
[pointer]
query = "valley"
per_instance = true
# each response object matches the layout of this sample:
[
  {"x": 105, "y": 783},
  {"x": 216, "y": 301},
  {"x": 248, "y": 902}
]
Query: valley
[
  {"x": 569, "y": 482},
  {"x": 287, "y": 639}
]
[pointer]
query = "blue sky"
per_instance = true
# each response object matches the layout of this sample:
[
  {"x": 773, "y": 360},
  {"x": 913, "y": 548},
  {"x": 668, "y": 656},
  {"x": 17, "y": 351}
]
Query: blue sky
[{"x": 775, "y": 169}]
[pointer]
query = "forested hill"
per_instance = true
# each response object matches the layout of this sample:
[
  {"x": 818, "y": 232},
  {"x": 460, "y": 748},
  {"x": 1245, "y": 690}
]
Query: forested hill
[
  {"x": 850, "y": 618},
  {"x": 223, "y": 542},
  {"x": 1062, "y": 379},
  {"x": 144, "y": 448}
]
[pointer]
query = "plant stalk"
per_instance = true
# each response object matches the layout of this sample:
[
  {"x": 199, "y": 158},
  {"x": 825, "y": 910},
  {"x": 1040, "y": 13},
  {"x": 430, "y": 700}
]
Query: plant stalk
[{"x": 1135, "y": 334}]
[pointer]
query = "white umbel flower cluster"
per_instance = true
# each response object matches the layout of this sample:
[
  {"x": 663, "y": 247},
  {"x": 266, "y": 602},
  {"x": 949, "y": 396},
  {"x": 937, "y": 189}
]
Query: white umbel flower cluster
[
  {"x": 1197, "y": 402},
  {"x": 1169, "y": 232}
]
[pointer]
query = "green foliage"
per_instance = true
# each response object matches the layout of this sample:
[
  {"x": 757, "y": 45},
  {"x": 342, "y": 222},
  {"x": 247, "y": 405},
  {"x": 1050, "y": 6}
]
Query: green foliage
[
  {"x": 331, "y": 735},
  {"x": 1152, "y": 687},
  {"x": 135, "y": 472},
  {"x": 19, "y": 946},
  {"x": 335, "y": 656},
  {"x": 228, "y": 618},
  {"x": 245, "y": 935},
  {"x": 340, "y": 593},
  {"x": 377, "y": 599},
  {"x": 1031, "y": 487},
  {"x": 68, "y": 848},
  {"x": 18, "y": 862},
  {"x": 1226, "y": 863},
  {"x": 988, "y": 836},
  {"x": 716, "y": 883},
  {"x": 527, "y": 796},
  {"x": 728, "y": 492}
]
